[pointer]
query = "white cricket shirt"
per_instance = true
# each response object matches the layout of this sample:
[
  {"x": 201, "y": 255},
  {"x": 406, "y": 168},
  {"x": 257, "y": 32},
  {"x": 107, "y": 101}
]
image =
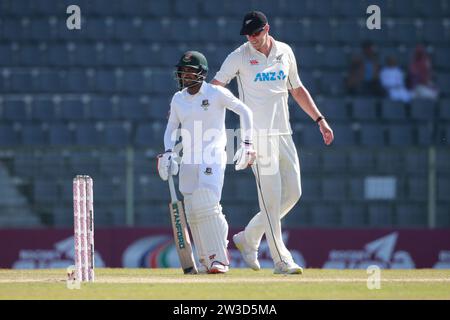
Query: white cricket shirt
[
  {"x": 202, "y": 119},
  {"x": 263, "y": 84}
]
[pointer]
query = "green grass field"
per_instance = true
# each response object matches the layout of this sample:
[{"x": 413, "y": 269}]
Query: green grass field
[{"x": 170, "y": 284}]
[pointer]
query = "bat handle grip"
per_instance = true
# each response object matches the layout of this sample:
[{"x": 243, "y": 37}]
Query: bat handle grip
[{"x": 173, "y": 193}]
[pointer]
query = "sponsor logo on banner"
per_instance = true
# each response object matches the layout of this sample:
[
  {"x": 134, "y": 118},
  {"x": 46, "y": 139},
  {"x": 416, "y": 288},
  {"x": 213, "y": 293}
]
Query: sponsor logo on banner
[
  {"x": 151, "y": 252},
  {"x": 444, "y": 260},
  {"x": 61, "y": 256},
  {"x": 380, "y": 252},
  {"x": 264, "y": 258}
]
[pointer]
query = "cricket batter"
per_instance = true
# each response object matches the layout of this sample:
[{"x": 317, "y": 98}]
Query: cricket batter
[
  {"x": 200, "y": 109},
  {"x": 266, "y": 71}
]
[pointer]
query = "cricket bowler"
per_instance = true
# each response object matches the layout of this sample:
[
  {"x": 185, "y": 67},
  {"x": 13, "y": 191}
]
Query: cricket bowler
[{"x": 266, "y": 72}]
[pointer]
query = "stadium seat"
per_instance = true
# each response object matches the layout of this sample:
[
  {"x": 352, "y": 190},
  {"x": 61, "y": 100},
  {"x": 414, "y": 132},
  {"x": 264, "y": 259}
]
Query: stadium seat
[
  {"x": 343, "y": 135},
  {"x": 418, "y": 188},
  {"x": 85, "y": 55},
  {"x": 434, "y": 32},
  {"x": 43, "y": 109},
  {"x": 156, "y": 29},
  {"x": 163, "y": 82},
  {"x": 310, "y": 161},
  {"x": 442, "y": 216},
  {"x": 356, "y": 189},
  {"x": 334, "y": 109},
  {"x": 34, "y": 135},
  {"x": 106, "y": 82},
  {"x": 311, "y": 136},
  {"x": 8, "y": 136},
  {"x": 334, "y": 189},
  {"x": 186, "y": 9},
  {"x": 133, "y": 108},
  {"x": 116, "y": 134},
  {"x": 45, "y": 192},
  {"x": 102, "y": 108},
  {"x": 136, "y": 81},
  {"x": 411, "y": 215},
  {"x": 440, "y": 58},
  {"x": 324, "y": 216},
  {"x": 73, "y": 109},
  {"x": 400, "y": 135},
  {"x": 335, "y": 161},
  {"x": 364, "y": 108},
  {"x": 361, "y": 160},
  {"x": 159, "y": 108},
  {"x": 7, "y": 56},
  {"x": 443, "y": 186},
  {"x": 353, "y": 215},
  {"x": 444, "y": 110},
  {"x": 87, "y": 134},
  {"x": 140, "y": 55},
  {"x": 380, "y": 215},
  {"x": 128, "y": 29},
  {"x": 61, "y": 135},
  {"x": 112, "y": 55},
  {"x": 21, "y": 82},
  {"x": 347, "y": 27},
  {"x": 335, "y": 57},
  {"x": 332, "y": 83},
  {"x": 31, "y": 56},
  {"x": 15, "y": 110},
  {"x": 443, "y": 83},
  {"x": 404, "y": 32},
  {"x": 416, "y": 160},
  {"x": 311, "y": 188},
  {"x": 49, "y": 81},
  {"x": 393, "y": 110},
  {"x": 99, "y": 28},
  {"x": 244, "y": 189},
  {"x": 423, "y": 110},
  {"x": 389, "y": 162},
  {"x": 372, "y": 135},
  {"x": 425, "y": 134}
]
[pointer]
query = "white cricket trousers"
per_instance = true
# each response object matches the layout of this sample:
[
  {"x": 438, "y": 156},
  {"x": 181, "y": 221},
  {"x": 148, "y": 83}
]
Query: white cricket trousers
[{"x": 277, "y": 174}]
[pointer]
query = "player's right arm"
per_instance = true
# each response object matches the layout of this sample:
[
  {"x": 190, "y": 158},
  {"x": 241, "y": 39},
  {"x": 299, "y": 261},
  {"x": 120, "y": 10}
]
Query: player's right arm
[
  {"x": 166, "y": 161},
  {"x": 228, "y": 70}
]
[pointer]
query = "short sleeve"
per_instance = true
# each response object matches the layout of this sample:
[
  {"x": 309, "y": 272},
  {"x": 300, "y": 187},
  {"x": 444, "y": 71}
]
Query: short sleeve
[
  {"x": 229, "y": 68},
  {"x": 293, "y": 77}
]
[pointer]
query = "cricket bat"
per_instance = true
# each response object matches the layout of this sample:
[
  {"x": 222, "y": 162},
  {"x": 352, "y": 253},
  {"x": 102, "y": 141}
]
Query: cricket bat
[{"x": 180, "y": 232}]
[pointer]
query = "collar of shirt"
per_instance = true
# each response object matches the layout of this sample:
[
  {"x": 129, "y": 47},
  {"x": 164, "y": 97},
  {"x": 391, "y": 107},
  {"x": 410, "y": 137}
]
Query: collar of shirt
[
  {"x": 273, "y": 50},
  {"x": 202, "y": 90}
]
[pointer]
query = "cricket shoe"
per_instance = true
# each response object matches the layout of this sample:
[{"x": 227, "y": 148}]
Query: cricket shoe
[
  {"x": 217, "y": 268},
  {"x": 249, "y": 255},
  {"x": 289, "y": 267}
]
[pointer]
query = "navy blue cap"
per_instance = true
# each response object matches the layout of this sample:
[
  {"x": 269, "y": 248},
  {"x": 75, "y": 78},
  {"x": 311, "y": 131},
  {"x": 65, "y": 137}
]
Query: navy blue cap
[{"x": 254, "y": 21}]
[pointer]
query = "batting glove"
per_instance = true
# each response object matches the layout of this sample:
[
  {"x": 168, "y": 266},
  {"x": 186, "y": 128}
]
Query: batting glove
[
  {"x": 245, "y": 156},
  {"x": 167, "y": 164}
]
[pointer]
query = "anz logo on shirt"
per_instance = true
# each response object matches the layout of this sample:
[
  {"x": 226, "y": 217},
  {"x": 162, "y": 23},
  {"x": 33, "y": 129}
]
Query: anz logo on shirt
[{"x": 270, "y": 76}]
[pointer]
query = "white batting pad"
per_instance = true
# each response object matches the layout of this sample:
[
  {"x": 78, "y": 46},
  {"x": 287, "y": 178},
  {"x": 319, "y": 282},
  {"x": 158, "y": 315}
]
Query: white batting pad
[{"x": 209, "y": 226}]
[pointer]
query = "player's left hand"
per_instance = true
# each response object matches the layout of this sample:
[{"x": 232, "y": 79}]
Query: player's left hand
[
  {"x": 327, "y": 132},
  {"x": 167, "y": 165},
  {"x": 244, "y": 157}
]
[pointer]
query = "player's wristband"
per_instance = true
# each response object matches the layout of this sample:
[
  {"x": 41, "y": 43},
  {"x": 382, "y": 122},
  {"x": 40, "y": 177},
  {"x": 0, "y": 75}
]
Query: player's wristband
[{"x": 320, "y": 119}]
